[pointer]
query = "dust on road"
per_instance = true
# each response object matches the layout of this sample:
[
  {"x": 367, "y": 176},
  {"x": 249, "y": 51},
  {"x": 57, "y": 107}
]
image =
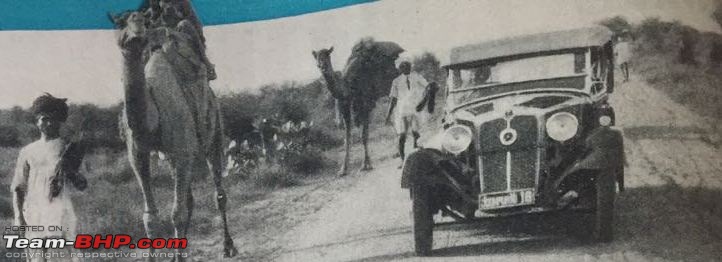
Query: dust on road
[{"x": 670, "y": 211}]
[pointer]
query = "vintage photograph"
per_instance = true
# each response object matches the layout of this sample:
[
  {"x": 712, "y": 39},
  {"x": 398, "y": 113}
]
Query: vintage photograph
[{"x": 361, "y": 130}]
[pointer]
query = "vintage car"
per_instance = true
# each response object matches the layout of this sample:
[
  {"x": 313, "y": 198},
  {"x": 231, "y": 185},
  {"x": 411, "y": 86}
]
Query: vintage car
[{"x": 528, "y": 129}]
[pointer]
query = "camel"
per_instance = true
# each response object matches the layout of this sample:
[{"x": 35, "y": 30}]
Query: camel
[
  {"x": 169, "y": 107},
  {"x": 366, "y": 77}
]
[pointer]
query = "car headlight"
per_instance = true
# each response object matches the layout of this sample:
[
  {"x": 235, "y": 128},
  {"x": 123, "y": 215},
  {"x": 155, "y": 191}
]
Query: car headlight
[
  {"x": 562, "y": 126},
  {"x": 456, "y": 139},
  {"x": 605, "y": 120}
]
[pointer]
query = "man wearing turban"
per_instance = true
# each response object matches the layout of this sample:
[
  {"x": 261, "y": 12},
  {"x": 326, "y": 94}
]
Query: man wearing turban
[{"x": 44, "y": 167}]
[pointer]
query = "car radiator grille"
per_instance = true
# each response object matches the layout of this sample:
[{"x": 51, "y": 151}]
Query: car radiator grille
[{"x": 511, "y": 164}]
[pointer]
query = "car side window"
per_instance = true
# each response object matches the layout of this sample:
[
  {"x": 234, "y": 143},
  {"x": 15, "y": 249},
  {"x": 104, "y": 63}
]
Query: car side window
[{"x": 579, "y": 62}]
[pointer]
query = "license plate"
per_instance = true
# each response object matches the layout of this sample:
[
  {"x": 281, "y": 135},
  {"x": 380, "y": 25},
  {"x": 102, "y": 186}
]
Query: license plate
[{"x": 506, "y": 199}]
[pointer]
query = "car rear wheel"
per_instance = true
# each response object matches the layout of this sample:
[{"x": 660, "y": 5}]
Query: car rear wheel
[
  {"x": 604, "y": 214},
  {"x": 423, "y": 220}
]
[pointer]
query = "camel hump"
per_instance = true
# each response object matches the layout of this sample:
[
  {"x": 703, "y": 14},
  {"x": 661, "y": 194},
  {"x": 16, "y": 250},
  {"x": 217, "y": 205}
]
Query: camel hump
[
  {"x": 369, "y": 48},
  {"x": 389, "y": 49},
  {"x": 371, "y": 68}
]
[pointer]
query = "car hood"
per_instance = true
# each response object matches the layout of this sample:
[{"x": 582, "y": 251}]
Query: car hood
[
  {"x": 536, "y": 104},
  {"x": 519, "y": 104}
]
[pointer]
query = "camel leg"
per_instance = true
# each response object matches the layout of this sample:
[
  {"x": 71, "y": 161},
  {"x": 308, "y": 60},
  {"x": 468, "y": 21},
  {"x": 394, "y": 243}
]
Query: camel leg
[
  {"x": 365, "y": 139},
  {"x": 183, "y": 172},
  {"x": 190, "y": 205},
  {"x": 140, "y": 163},
  {"x": 346, "y": 111},
  {"x": 189, "y": 214},
  {"x": 215, "y": 164},
  {"x": 338, "y": 115}
]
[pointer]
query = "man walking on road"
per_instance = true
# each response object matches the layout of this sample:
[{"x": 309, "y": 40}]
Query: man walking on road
[
  {"x": 623, "y": 53},
  {"x": 407, "y": 91}
]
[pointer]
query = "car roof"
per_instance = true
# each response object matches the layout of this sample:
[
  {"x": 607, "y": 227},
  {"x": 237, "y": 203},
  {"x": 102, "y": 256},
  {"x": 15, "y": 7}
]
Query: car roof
[{"x": 529, "y": 44}]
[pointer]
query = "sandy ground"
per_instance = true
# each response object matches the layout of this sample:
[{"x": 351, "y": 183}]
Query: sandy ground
[{"x": 670, "y": 211}]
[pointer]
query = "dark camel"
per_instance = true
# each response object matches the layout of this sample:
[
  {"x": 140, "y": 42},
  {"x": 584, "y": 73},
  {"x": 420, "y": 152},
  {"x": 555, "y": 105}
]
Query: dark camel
[{"x": 367, "y": 77}]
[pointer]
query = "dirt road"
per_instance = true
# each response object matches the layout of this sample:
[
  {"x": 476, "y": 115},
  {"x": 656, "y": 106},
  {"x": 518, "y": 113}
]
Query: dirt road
[{"x": 672, "y": 209}]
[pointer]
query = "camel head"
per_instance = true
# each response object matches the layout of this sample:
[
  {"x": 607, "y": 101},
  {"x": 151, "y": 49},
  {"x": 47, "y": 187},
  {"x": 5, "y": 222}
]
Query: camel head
[
  {"x": 323, "y": 59},
  {"x": 132, "y": 31}
]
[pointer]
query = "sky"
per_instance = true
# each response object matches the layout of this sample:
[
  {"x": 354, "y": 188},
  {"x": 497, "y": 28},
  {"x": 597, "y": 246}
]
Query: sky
[{"x": 84, "y": 65}]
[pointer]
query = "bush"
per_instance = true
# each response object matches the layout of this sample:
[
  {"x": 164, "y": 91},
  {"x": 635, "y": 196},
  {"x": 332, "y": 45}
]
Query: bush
[
  {"x": 305, "y": 162},
  {"x": 9, "y": 136},
  {"x": 6, "y": 207},
  {"x": 617, "y": 24},
  {"x": 324, "y": 139},
  {"x": 274, "y": 177},
  {"x": 110, "y": 166}
]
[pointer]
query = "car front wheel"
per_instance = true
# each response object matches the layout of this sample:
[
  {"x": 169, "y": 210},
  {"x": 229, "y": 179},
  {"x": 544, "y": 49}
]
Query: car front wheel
[
  {"x": 423, "y": 220},
  {"x": 604, "y": 215}
]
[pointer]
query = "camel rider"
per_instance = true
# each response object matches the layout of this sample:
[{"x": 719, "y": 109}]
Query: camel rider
[
  {"x": 407, "y": 91},
  {"x": 43, "y": 174},
  {"x": 180, "y": 16}
]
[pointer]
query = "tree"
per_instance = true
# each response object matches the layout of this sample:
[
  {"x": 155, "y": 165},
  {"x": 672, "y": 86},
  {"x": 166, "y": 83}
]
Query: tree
[
  {"x": 429, "y": 67},
  {"x": 18, "y": 115},
  {"x": 617, "y": 24},
  {"x": 9, "y": 136},
  {"x": 239, "y": 112},
  {"x": 716, "y": 52},
  {"x": 717, "y": 14},
  {"x": 689, "y": 39}
]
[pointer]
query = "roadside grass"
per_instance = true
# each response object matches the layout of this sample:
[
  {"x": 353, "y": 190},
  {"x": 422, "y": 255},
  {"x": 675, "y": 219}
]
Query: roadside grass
[
  {"x": 113, "y": 204},
  {"x": 697, "y": 87},
  {"x": 683, "y": 63}
]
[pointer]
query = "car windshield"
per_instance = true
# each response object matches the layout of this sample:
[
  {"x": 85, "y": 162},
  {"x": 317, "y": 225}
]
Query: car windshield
[{"x": 520, "y": 70}]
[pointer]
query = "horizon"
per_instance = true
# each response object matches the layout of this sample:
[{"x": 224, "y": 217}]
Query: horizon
[{"x": 79, "y": 64}]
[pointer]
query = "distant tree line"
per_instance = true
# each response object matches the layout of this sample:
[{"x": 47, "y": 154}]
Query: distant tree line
[
  {"x": 678, "y": 59},
  {"x": 98, "y": 126},
  {"x": 242, "y": 111},
  {"x": 685, "y": 44}
]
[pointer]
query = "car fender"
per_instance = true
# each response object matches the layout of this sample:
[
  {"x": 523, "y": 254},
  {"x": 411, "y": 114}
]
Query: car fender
[
  {"x": 422, "y": 166},
  {"x": 433, "y": 167},
  {"x": 605, "y": 152}
]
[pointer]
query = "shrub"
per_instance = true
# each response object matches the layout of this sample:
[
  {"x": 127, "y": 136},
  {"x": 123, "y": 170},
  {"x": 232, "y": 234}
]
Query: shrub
[
  {"x": 617, "y": 24},
  {"x": 6, "y": 207},
  {"x": 9, "y": 136},
  {"x": 324, "y": 139},
  {"x": 274, "y": 177},
  {"x": 111, "y": 167},
  {"x": 304, "y": 162}
]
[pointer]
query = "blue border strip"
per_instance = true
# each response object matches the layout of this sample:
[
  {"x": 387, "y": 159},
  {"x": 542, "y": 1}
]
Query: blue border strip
[{"x": 92, "y": 14}]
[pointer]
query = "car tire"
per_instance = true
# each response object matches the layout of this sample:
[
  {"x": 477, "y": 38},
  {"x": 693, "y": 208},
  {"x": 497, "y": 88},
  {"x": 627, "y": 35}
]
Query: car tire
[
  {"x": 604, "y": 214},
  {"x": 423, "y": 220}
]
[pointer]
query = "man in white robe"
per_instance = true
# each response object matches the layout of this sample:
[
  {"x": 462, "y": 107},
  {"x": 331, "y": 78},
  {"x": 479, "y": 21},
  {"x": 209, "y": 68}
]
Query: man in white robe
[
  {"x": 407, "y": 91},
  {"x": 40, "y": 185}
]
